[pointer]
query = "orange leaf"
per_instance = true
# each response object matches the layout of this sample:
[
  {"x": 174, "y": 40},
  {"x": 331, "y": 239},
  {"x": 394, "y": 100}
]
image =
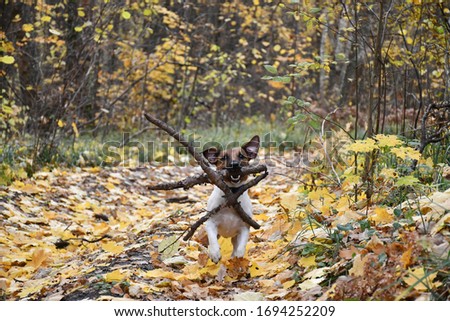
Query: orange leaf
[
  {"x": 406, "y": 258},
  {"x": 39, "y": 258},
  {"x": 381, "y": 216}
]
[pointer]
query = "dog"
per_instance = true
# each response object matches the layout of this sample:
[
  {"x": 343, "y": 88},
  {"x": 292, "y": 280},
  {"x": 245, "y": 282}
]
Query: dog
[{"x": 226, "y": 222}]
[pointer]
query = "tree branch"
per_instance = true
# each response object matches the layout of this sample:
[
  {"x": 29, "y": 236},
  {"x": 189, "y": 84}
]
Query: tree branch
[
  {"x": 213, "y": 176},
  {"x": 202, "y": 179}
]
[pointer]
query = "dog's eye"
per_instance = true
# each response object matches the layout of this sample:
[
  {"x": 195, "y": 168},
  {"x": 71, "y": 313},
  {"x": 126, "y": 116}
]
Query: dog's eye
[
  {"x": 224, "y": 158},
  {"x": 241, "y": 156}
]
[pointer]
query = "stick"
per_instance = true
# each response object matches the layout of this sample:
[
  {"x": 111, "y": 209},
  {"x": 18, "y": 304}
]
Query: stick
[
  {"x": 230, "y": 201},
  {"x": 213, "y": 176},
  {"x": 202, "y": 179}
]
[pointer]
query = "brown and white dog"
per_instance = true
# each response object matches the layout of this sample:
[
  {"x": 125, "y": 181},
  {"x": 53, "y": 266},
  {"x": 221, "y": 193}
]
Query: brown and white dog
[{"x": 227, "y": 222}]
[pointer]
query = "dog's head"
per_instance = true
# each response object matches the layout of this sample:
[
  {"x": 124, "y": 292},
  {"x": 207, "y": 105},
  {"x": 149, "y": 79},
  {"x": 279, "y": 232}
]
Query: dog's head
[{"x": 233, "y": 160}]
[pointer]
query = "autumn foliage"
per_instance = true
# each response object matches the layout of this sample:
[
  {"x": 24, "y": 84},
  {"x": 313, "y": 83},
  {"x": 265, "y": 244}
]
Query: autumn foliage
[{"x": 350, "y": 98}]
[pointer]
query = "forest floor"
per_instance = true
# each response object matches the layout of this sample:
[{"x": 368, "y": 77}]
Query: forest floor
[{"x": 99, "y": 234}]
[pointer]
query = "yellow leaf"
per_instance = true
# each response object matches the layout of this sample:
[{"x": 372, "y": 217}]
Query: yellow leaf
[
  {"x": 256, "y": 270},
  {"x": 362, "y": 146},
  {"x": 78, "y": 29},
  {"x": 60, "y": 123},
  {"x": 261, "y": 217},
  {"x": 444, "y": 221},
  {"x": 31, "y": 289},
  {"x": 39, "y": 258},
  {"x": 288, "y": 284},
  {"x": 406, "y": 152},
  {"x": 358, "y": 266},
  {"x": 276, "y": 48},
  {"x": 307, "y": 261},
  {"x": 160, "y": 273},
  {"x": 406, "y": 258},
  {"x": 169, "y": 246},
  {"x": 25, "y": 188},
  {"x": 7, "y": 60},
  {"x": 192, "y": 271},
  {"x": 211, "y": 269},
  {"x": 115, "y": 276},
  {"x": 381, "y": 216},
  {"x": 387, "y": 140},
  {"x": 419, "y": 281},
  {"x": 75, "y": 129},
  {"x": 110, "y": 186},
  {"x": 126, "y": 15},
  {"x": 289, "y": 201},
  {"x": 226, "y": 247},
  {"x": 27, "y": 27},
  {"x": 112, "y": 247},
  {"x": 46, "y": 19},
  {"x": 256, "y": 2}
]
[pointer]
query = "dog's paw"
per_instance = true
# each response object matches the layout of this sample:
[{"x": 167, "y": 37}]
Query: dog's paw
[
  {"x": 239, "y": 252},
  {"x": 215, "y": 256}
]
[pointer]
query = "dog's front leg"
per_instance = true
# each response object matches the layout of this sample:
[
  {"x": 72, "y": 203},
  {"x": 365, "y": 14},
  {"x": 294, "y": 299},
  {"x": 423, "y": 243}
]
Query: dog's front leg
[
  {"x": 214, "y": 247},
  {"x": 240, "y": 242}
]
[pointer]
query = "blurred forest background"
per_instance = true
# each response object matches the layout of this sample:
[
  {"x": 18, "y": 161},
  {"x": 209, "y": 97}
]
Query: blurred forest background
[{"x": 76, "y": 72}]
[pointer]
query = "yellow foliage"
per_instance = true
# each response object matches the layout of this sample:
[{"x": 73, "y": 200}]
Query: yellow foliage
[
  {"x": 27, "y": 27},
  {"x": 406, "y": 152},
  {"x": 112, "y": 247},
  {"x": 420, "y": 279},
  {"x": 387, "y": 140},
  {"x": 382, "y": 216},
  {"x": 115, "y": 276},
  {"x": 362, "y": 146}
]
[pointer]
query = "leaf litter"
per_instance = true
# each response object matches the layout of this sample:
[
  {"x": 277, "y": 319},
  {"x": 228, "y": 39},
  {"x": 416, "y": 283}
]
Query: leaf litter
[{"x": 100, "y": 234}]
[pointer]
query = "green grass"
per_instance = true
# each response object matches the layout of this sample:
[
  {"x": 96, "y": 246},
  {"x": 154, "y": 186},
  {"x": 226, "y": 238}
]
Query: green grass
[{"x": 17, "y": 161}]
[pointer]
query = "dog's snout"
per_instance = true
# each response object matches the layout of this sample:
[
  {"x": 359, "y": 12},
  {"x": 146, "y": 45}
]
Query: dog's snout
[{"x": 234, "y": 164}]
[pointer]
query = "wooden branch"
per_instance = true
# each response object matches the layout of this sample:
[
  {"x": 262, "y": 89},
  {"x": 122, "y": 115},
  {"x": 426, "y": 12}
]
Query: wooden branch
[
  {"x": 214, "y": 177},
  {"x": 203, "y": 179},
  {"x": 230, "y": 201},
  {"x": 185, "y": 183}
]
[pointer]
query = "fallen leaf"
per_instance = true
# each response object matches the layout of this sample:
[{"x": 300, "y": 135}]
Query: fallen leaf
[
  {"x": 169, "y": 246},
  {"x": 237, "y": 267},
  {"x": 406, "y": 258},
  {"x": 420, "y": 280},
  {"x": 115, "y": 276},
  {"x": 309, "y": 284},
  {"x": 288, "y": 284},
  {"x": 248, "y": 296},
  {"x": 256, "y": 270},
  {"x": 39, "y": 258},
  {"x": 382, "y": 216},
  {"x": 112, "y": 247},
  {"x": 289, "y": 201},
  {"x": 358, "y": 266},
  {"x": 307, "y": 261},
  {"x": 375, "y": 245}
]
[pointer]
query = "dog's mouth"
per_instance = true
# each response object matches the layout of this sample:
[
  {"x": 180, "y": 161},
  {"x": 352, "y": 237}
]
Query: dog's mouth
[{"x": 235, "y": 178}]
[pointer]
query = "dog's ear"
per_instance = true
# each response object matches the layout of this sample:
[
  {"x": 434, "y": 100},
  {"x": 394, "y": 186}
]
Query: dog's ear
[
  {"x": 252, "y": 147},
  {"x": 211, "y": 154}
]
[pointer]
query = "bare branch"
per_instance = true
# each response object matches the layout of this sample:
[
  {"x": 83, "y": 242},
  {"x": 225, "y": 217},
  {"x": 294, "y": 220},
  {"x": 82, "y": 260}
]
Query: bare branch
[
  {"x": 202, "y": 179},
  {"x": 214, "y": 177}
]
